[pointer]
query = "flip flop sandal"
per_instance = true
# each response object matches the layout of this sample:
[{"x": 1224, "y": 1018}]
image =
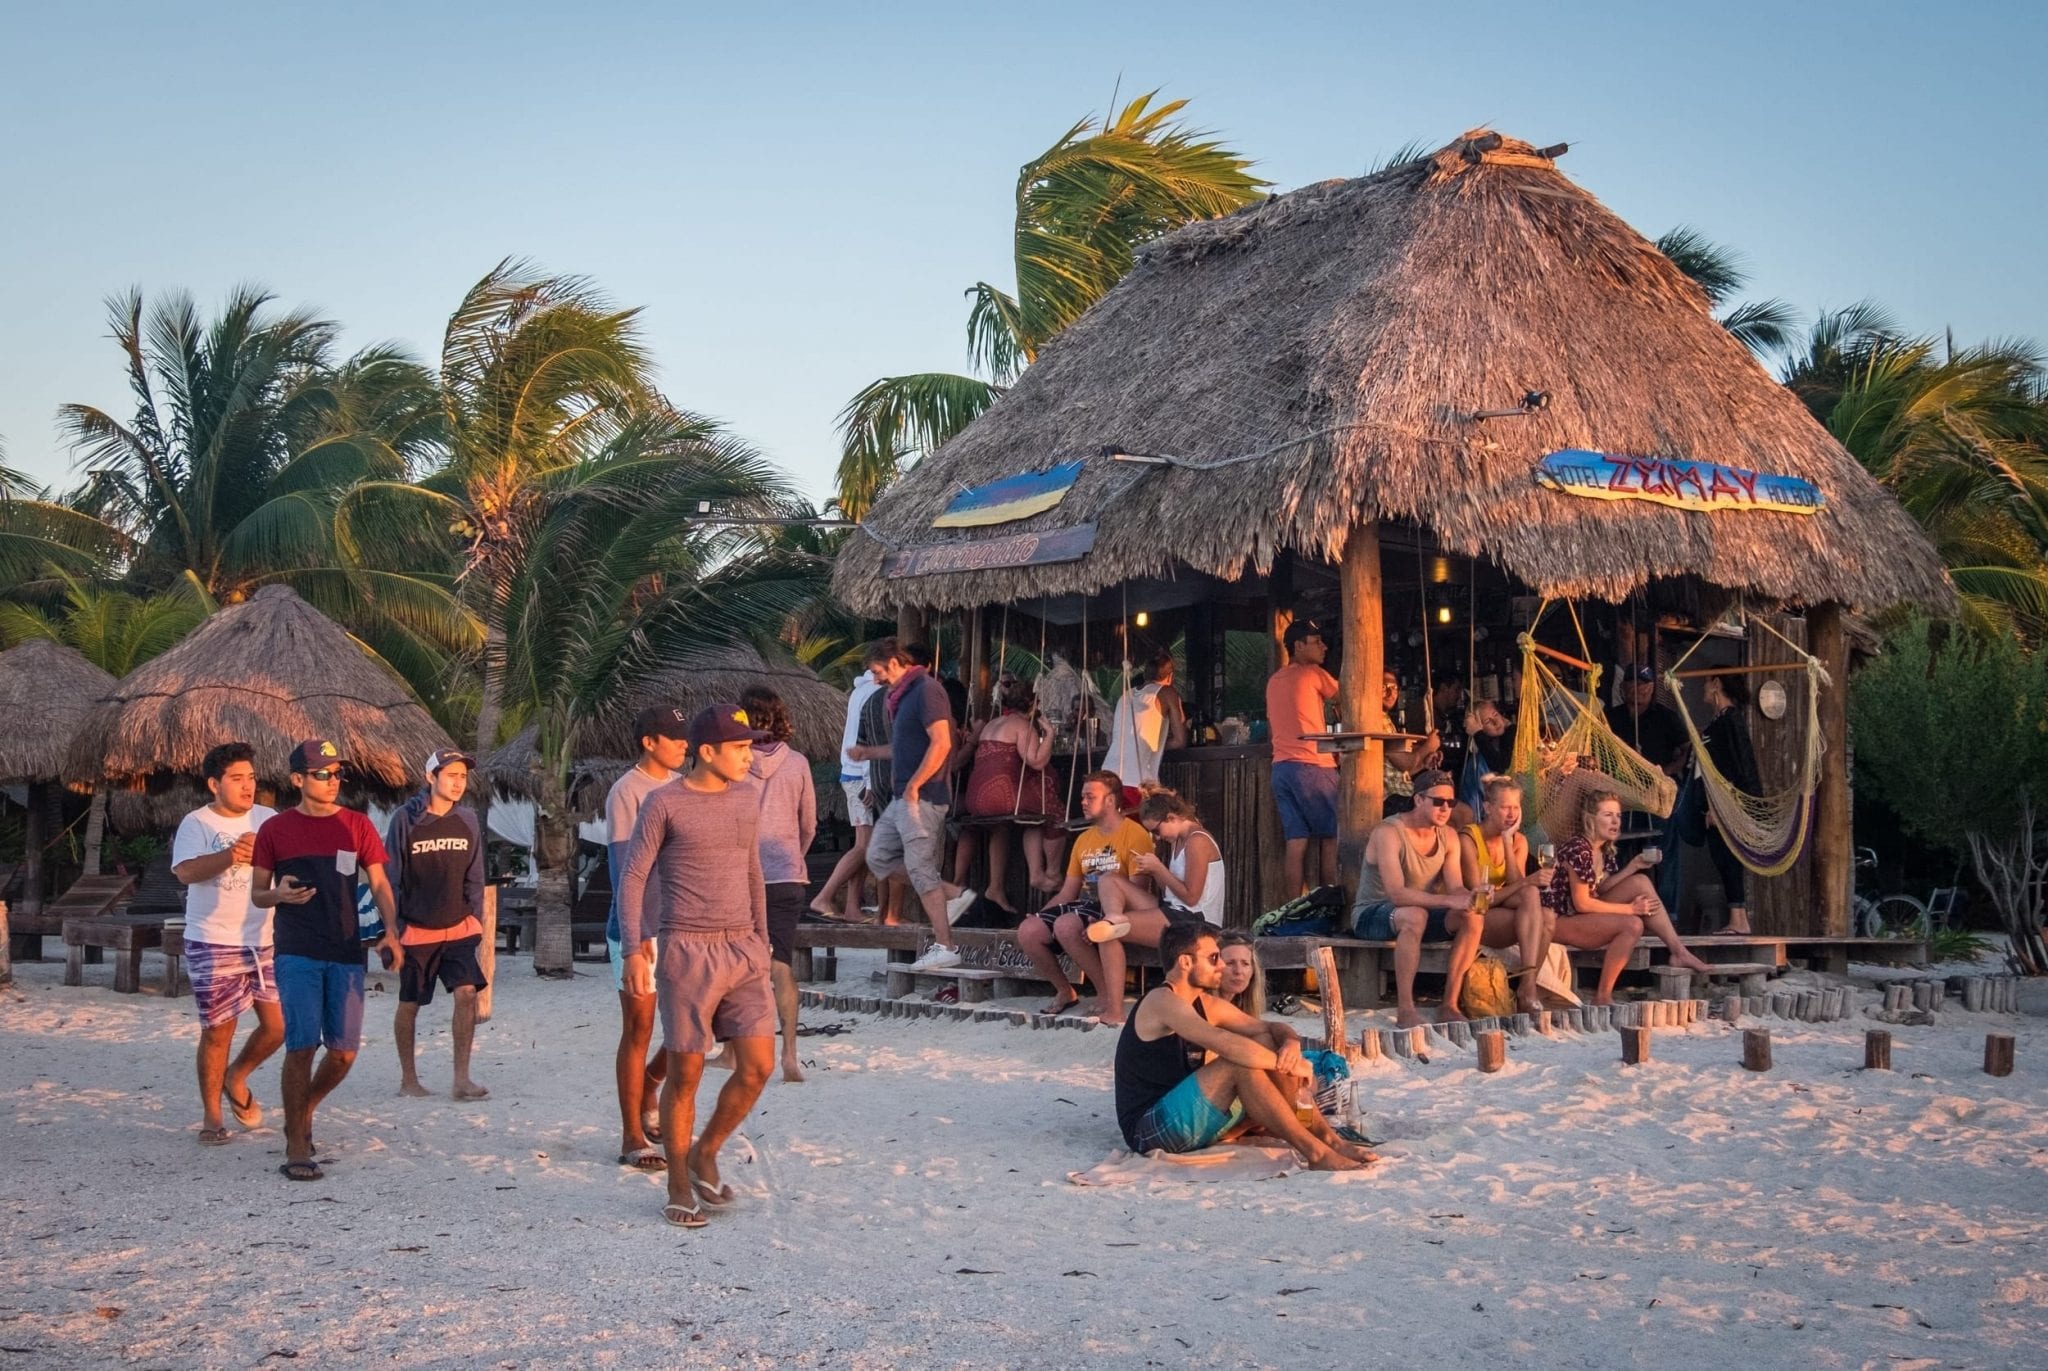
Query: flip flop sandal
[
  {"x": 718, "y": 1196},
  {"x": 214, "y": 1137},
  {"x": 1108, "y": 930},
  {"x": 247, "y": 1112},
  {"x": 650, "y": 1125},
  {"x": 684, "y": 1215},
  {"x": 301, "y": 1171},
  {"x": 824, "y": 1030},
  {"x": 644, "y": 1159}
]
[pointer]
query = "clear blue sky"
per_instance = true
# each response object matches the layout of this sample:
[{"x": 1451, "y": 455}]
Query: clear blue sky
[{"x": 798, "y": 194}]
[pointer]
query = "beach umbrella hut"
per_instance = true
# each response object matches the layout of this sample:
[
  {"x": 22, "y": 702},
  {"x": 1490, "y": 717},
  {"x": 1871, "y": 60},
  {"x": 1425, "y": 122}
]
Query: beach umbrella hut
[
  {"x": 269, "y": 672},
  {"x": 46, "y": 690},
  {"x": 1465, "y": 356}
]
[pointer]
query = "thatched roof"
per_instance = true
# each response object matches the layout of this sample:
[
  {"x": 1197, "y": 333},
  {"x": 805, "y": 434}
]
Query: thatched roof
[
  {"x": 45, "y": 690},
  {"x": 1341, "y": 337},
  {"x": 607, "y": 747},
  {"x": 268, "y": 672}
]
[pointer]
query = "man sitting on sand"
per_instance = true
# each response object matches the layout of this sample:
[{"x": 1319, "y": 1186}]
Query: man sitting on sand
[
  {"x": 1413, "y": 885},
  {"x": 1168, "y": 1100}
]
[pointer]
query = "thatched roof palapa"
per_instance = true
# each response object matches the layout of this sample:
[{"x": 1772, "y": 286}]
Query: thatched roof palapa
[
  {"x": 607, "y": 747},
  {"x": 45, "y": 690},
  {"x": 1330, "y": 348},
  {"x": 269, "y": 672}
]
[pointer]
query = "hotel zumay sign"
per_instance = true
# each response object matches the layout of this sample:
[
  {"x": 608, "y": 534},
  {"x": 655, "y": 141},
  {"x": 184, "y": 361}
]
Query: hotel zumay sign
[
  {"x": 1702, "y": 486},
  {"x": 991, "y": 554}
]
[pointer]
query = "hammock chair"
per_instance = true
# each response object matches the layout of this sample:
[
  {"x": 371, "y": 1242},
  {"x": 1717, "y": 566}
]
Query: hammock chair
[
  {"x": 1563, "y": 745},
  {"x": 1765, "y": 832}
]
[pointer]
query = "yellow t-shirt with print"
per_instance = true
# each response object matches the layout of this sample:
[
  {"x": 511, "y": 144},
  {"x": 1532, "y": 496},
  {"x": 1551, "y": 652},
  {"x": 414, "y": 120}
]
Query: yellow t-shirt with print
[{"x": 1095, "y": 854}]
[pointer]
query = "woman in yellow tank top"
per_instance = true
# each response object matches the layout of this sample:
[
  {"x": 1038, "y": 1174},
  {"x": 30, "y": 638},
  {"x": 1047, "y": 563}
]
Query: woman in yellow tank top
[{"x": 1496, "y": 850}]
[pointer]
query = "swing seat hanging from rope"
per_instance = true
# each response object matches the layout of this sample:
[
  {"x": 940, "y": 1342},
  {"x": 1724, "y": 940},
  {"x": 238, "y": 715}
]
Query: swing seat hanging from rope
[
  {"x": 1765, "y": 832},
  {"x": 1564, "y": 746}
]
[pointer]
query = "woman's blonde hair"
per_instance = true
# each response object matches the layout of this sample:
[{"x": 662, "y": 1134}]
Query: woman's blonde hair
[
  {"x": 1253, "y": 1000},
  {"x": 1589, "y": 806}
]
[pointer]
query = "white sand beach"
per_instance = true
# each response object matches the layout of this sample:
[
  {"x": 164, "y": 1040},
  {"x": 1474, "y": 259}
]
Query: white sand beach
[{"x": 908, "y": 1206}]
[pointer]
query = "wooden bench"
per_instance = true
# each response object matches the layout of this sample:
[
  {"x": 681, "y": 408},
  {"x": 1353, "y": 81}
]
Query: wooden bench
[
  {"x": 88, "y": 897},
  {"x": 1831, "y": 955},
  {"x": 129, "y": 935},
  {"x": 995, "y": 967},
  {"x": 1363, "y": 964}
]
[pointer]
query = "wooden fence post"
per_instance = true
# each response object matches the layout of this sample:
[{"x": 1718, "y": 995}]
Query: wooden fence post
[
  {"x": 1756, "y": 1049},
  {"x": 1334, "y": 1036},
  {"x": 1492, "y": 1045},
  {"x": 1877, "y": 1050},
  {"x": 1998, "y": 1054},
  {"x": 487, "y": 953},
  {"x": 1635, "y": 1046}
]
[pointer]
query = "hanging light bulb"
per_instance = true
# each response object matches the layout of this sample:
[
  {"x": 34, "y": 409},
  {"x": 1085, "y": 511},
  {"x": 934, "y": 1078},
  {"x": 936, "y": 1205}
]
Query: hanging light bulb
[
  {"x": 1141, "y": 619},
  {"x": 1443, "y": 614}
]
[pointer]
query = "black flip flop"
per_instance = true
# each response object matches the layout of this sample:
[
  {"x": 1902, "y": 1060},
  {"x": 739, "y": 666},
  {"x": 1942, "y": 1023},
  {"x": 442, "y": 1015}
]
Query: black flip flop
[{"x": 302, "y": 1171}]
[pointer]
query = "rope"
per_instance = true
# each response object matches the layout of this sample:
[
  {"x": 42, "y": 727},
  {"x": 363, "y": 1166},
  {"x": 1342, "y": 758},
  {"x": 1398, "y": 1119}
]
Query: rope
[{"x": 1428, "y": 671}]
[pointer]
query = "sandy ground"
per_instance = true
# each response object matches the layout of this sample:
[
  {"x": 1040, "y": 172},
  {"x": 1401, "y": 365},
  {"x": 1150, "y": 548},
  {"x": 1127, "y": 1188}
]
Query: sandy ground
[{"x": 908, "y": 1207}]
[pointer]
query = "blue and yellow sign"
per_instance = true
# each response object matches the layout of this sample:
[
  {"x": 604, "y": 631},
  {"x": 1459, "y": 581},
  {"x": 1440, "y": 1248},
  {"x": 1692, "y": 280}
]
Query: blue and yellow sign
[
  {"x": 1703, "y": 486},
  {"x": 1010, "y": 499}
]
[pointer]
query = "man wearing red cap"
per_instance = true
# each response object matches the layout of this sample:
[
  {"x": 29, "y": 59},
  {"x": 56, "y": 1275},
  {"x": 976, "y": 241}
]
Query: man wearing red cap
[
  {"x": 306, "y": 863},
  {"x": 712, "y": 978}
]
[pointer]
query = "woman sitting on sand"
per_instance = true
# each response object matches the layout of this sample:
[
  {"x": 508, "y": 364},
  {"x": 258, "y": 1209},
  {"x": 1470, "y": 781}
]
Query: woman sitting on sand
[
  {"x": 1008, "y": 781},
  {"x": 1606, "y": 904},
  {"x": 1244, "y": 980}
]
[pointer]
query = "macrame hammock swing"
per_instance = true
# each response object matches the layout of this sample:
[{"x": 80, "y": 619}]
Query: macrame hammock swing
[{"x": 1563, "y": 746}]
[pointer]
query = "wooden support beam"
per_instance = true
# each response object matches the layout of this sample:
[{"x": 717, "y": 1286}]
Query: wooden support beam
[
  {"x": 1361, "y": 792},
  {"x": 1753, "y": 669},
  {"x": 1832, "y": 855},
  {"x": 1564, "y": 657}
]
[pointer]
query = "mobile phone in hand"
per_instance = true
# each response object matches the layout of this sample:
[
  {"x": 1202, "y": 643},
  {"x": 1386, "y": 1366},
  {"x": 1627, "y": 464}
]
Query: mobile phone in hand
[{"x": 384, "y": 956}]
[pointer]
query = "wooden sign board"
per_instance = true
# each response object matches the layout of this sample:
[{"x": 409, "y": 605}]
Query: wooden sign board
[
  {"x": 1700, "y": 486},
  {"x": 1010, "y": 499},
  {"x": 991, "y": 554}
]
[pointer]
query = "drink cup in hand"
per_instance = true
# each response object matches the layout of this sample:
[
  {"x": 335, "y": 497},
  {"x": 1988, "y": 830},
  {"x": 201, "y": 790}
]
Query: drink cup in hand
[
  {"x": 1652, "y": 855},
  {"x": 1546, "y": 856}
]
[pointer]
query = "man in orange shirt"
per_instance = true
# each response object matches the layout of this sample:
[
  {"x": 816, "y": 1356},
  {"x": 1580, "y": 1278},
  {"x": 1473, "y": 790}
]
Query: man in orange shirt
[{"x": 1304, "y": 780}]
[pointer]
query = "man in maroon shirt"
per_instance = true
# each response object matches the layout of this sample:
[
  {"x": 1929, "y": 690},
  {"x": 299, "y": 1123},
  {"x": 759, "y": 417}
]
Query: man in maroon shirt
[{"x": 306, "y": 864}]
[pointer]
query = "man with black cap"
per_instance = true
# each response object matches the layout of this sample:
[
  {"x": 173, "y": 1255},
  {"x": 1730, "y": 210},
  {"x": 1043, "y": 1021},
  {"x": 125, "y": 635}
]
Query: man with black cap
[
  {"x": 712, "y": 979},
  {"x": 1298, "y": 696},
  {"x": 663, "y": 734},
  {"x": 305, "y": 866},
  {"x": 437, "y": 874},
  {"x": 1654, "y": 730}
]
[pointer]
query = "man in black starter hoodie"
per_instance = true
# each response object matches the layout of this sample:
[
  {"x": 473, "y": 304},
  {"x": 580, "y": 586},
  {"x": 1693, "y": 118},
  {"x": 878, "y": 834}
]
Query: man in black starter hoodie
[{"x": 437, "y": 876}]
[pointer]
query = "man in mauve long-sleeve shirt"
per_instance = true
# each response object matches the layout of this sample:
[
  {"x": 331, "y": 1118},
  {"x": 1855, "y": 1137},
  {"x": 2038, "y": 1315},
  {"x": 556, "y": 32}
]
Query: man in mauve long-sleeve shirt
[{"x": 701, "y": 835}]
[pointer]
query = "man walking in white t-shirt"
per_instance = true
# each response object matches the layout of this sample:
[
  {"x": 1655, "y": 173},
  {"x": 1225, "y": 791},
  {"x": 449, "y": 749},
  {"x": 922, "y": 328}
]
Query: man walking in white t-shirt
[
  {"x": 848, "y": 874},
  {"x": 227, "y": 939}
]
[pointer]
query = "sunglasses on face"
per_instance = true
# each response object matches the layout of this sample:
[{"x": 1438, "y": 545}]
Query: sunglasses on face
[
  {"x": 1445, "y": 800},
  {"x": 326, "y": 773}
]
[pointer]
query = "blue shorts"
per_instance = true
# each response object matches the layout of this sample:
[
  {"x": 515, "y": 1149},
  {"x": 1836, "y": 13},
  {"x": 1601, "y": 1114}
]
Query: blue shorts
[
  {"x": 323, "y": 1003},
  {"x": 1184, "y": 1120},
  {"x": 1307, "y": 798},
  {"x": 1375, "y": 923}
]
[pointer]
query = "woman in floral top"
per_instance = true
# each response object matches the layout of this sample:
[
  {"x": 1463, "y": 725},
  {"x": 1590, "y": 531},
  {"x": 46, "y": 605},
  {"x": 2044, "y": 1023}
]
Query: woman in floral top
[{"x": 1604, "y": 903}]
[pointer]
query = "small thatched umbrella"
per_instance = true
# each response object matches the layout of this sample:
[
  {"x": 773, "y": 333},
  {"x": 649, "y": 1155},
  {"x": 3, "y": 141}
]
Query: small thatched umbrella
[
  {"x": 268, "y": 672},
  {"x": 606, "y": 747},
  {"x": 45, "y": 690}
]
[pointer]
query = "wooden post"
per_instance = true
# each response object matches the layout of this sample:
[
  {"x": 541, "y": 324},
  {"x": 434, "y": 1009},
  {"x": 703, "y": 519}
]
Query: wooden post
[
  {"x": 1369, "y": 1044},
  {"x": 1635, "y": 1046},
  {"x": 1833, "y": 859},
  {"x": 1756, "y": 1049},
  {"x": 1361, "y": 792},
  {"x": 32, "y": 849},
  {"x": 1334, "y": 1036},
  {"x": 910, "y": 627},
  {"x": 6, "y": 956},
  {"x": 1492, "y": 1046},
  {"x": 487, "y": 952},
  {"x": 1998, "y": 1054},
  {"x": 1877, "y": 1050}
]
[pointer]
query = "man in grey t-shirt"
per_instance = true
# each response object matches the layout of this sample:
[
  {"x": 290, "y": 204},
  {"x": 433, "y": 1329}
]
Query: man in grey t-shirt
[{"x": 663, "y": 731}]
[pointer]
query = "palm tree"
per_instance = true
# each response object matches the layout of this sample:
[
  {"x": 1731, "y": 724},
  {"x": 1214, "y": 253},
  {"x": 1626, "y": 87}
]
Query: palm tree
[
  {"x": 115, "y": 631},
  {"x": 38, "y": 535},
  {"x": 1084, "y": 207},
  {"x": 231, "y": 471},
  {"x": 627, "y": 576},
  {"x": 1957, "y": 434},
  {"x": 1762, "y": 326},
  {"x": 537, "y": 374}
]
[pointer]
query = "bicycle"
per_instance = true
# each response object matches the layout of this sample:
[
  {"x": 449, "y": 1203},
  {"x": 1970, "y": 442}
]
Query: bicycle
[{"x": 1885, "y": 916}]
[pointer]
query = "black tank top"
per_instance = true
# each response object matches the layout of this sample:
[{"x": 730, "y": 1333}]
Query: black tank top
[{"x": 1147, "y": 1072}]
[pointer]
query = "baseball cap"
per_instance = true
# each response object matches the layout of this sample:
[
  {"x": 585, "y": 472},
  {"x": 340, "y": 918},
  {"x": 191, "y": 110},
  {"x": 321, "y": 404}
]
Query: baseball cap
[
  {"x": 315, "y": 753},
  {"x": 441, "y": 756},
  {"x": 1299, "y": 629},
  {"x": 661, "y": 721},
  {"x": 726, "y": 723},
  {"x": 1432, "y": 777},
  {"x": 1642, "y": 673}
]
